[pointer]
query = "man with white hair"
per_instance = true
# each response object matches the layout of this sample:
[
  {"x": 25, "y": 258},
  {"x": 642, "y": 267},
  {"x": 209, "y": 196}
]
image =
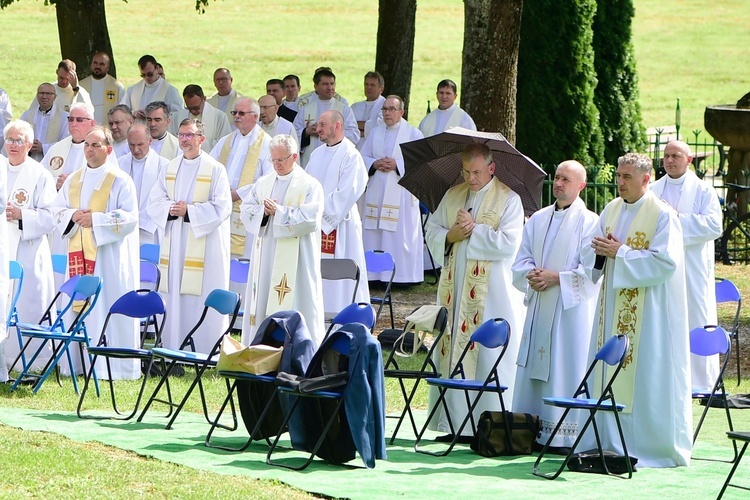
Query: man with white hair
[
  {"x": 191, "y": 204},
  {"x": 47, "y": 120},
  {"x": 283, "y": 212},
  {"x": 143, "y": 165},
  {"x": 638, "y": 246},
  {"x": 553, "y": 356},
  {"x": 246, "y": 156},
  {"x": 700, "y": 217},
  {"x": 270, "y": 121},
  {"x": 120, "y": 119},
  {"x": 31, "y": 191}
]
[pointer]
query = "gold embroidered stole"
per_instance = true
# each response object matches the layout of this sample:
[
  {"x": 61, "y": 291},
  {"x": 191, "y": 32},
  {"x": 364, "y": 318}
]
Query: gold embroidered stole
[
  {"x": 82, "y": 247},
  {"x": 249, "y": 169},
  {"x": 53, "y": 127},
  {"x": 111, "y": 92},
  {"x": 281, "y": 288},
  {"x": 195, "y": 250},
  {"x": 58, "y": 154},
  {"x": 627, "y": 317},
  {"x": 476, "y": 279},
  {"x": 140, "y": 89}
]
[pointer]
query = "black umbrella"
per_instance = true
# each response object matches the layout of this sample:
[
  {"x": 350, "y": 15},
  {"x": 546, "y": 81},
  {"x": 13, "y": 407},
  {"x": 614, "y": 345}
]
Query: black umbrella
[{"x": 433, "y": 165}]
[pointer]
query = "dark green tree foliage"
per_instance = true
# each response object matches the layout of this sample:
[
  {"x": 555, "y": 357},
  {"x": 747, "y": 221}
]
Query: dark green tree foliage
[
  {"x": 616, "y": 95},
  {"x": 556, "y": 115}
]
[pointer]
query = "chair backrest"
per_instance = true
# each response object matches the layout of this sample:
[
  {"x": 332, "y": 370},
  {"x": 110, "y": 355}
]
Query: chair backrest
[
  {"x": 709, "y": 340},
  {"x": 726, "y": 291},
  {"x": 88, "y": 289},
  {"x": 150, "y": 273},
  {"x": 150, "y": 252},
  {"x": 492, "y": 333},
  {"x": 139, "y": 304},
  {"x": 380, "y": 261},
  {"x": 341, "y": 269},
  {"x": 59, "y": 263},
  {"x": 225, "y": 303},
  {"x": 356, "y": 313},
  {"x": 15, "y": 272},
  {"x": 239, "y": 270},
  {"x": 614, "y": 350}
]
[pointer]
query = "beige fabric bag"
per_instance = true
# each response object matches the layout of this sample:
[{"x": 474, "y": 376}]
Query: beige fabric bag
[{"x": 256, "y": 359}]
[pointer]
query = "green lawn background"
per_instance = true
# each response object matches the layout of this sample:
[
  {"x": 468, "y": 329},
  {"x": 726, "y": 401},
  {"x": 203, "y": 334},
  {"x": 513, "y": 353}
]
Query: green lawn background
[{"x": 692, "y": 49}]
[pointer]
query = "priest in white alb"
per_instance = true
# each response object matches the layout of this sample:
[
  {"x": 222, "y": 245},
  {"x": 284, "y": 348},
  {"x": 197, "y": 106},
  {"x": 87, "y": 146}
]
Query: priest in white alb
[
  {"x": 50, "y": 124},
  {"x": 447, "y": 114},
  {"x": 553, "y": 356},
  {"x": 270, "y": 121},
  {"x": 391, "y": 217},
  {"x": 640, "y": 247},
  {"x": 283, "y": 212},
  {"x": 246, "y": 156},
  {"x": 367, "y": 112},
  {"x": 96, "y": 212},
  {"x": 477, "y": 227},
  {"x": 215, "y": 122},
  {"x": 143, "y": 165},
  {"x": 150, "y": 89},
  {"x": 120, "y": 119},
  {"x": 4, "y": 273},
  {"x": 31, "y": 191},
  {"x": 339, "y": 168},
  {"x": 699, "y": 210},
  {"x": 104, "y": 89},
  {"x": 190, "y": 204},
  {"x": 225, "y": 95}
]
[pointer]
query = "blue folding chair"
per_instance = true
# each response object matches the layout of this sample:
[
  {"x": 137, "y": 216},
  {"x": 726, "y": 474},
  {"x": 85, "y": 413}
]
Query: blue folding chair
[
  {"x": 239, "y": 272},
  {"x": 224, "y": 302},
  {"x": 380, "y": 261},
  {"x": 15, "y": 274},
  {"x": 492, "y": 334},
  {"x": 613, "y": 353},
  {"x": 710, "y": 341},
  {"x": 727, "y": 292},
  {"x": 150, "y": 274},
  {"x": 353, "y": 313},
  {"x": 135, "y": 304},
  {"x": 86, "y": 289},
  {"x": 150, "y": 252}
]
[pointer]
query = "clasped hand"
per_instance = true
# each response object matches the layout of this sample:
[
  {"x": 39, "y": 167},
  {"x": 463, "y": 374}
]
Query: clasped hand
[
  {"x": 462, "y": 228},
  {"x": 607, "y": 247},
  {"x": 542, "y": 279},
  {"x": 269, "y": 206},
  {"x": 82, "y": 217},
  {"x": 179, "y": 209}
]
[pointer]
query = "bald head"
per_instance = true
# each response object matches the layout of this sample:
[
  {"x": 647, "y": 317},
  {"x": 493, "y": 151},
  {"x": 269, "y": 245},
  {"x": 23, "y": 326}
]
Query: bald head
[
  {"x": 570, "y": 179},
  {"x": 330, "y": 127},
  {"x": 677, "y": 157},
  {"x": 268, "y": 108},
  {"x": 139, "y": 140}
]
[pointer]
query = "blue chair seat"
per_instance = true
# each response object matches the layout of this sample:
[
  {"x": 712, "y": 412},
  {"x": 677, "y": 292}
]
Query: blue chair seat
[
  {"x": 582, "y": 403},
  {"x": 707, "y": 394},
  {"x": 248, "y": 376},
  {"x": 464, "y": 384},
  {"x": 53, "y": 335},
  {"x": 187, "y": 356},
  {"x": 120, "y": 352},
  {"x": 314, "y": 394}
]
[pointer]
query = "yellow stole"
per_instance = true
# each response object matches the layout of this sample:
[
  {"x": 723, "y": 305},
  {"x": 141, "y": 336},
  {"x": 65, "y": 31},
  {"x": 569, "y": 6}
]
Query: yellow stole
[
  {"x": 476, "y": 280},
  {"x": 247, "y": 177},
  {"x": 628, "y": 311},
  {"x": 53, "y": 128},
  {"x": 81, "y": 247},
  {"x": 111, "y": 92},
  {"x": 195, "y": 250}
]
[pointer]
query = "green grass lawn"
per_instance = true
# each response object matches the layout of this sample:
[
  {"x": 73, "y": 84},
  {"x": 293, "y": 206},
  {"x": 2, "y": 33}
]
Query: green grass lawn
[{"x": 691, "y": 49}]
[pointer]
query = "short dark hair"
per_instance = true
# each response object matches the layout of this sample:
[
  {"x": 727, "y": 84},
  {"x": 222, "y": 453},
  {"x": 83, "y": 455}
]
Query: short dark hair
[
  {"x": 448, "y": 83},
  {"x": 275, "y": 81},
  {"x": 153, "y": 106},
  {"x": 321, "y": 73},
  {"x": 144, "y": 60},
  {"x": 291, "y": 77},
  {"x": 376, "y": 76},
  {"x": 193, "y": 90},
  {"x": 123, "y": 108},
  {"x": 193, "y": 121},
  {"x": 67, "y": 65}
]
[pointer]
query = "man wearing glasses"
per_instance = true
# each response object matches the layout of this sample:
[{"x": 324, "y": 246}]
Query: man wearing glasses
[
  {"x": 283, "y": 211},
  {"x": 151, "y": 88},
  {"x": 270, "y": 120},
  {"x": 96, "y": 212},
  {"x": 215, "y": 122},
  {"x": 225, "y": 95},
  {"x": 47, "y": 120},
  {"x": 190, "y": 204},
  {"x": 392, "y": 221},
  {"x": 246, "y": 156}
]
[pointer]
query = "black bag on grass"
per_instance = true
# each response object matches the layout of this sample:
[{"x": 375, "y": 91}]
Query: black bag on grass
[
  {"x": 591, "y": 461},
  {"x": 491, "y": 439}
]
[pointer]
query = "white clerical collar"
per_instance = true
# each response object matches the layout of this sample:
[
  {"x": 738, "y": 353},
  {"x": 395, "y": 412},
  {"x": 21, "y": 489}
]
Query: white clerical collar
[
  {"x": 162, "y": 137},
  {"x": 192, "y": 160},
  {"x": 447, "y": 109},
  {"x": 15, "y": 168},
  {"x": 638, "y": 202},
  {"x": 325, "y": 100},
  {"x": 395, "y": 126},
  {"x": 78, "y": 145},
  {"x": 331, "y": 148},
  {"x": 273, "y": 123},
  {"x": 678, "y": 181},
  {"x": 96, "y": 170},
  {"x": 286, "y": 177},
  {"x": 136, "y": 161},
  {"x": 152, "y": 85}
]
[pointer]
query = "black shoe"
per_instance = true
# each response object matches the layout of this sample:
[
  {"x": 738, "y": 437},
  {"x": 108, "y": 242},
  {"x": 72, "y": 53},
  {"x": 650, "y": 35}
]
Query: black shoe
[{"x": 447, "y": 438}]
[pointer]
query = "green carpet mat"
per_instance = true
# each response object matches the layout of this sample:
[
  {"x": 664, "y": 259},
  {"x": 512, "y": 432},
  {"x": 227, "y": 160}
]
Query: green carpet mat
[{"x": 405, "y": 473}]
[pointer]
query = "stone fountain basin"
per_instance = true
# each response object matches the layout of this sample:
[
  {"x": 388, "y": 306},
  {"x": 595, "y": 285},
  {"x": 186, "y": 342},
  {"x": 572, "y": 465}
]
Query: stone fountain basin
[{"x": 728, "y": 125}]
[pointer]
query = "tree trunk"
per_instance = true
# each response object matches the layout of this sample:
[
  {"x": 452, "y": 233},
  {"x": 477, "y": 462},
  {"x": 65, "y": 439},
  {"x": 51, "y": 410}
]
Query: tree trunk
[
  {"x": 492, "y": 31},
  {"x": 82, "y": 27},
  {"x": 394, "y": 57}
]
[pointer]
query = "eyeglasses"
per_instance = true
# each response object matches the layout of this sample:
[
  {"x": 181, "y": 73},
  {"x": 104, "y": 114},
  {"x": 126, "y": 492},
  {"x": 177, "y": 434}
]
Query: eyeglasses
[
  {"x": 280, "y": 160},
  {"x": 79, "y": 119},
  {"x": 45, "y": 93},
  {"x": 391, "y": 110},
  {"x": 147, "y": 75},
  {"x": 17, "y": 142},
  {"x": 242, "y": 113},
  {"x": 188, "y": 135}
]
